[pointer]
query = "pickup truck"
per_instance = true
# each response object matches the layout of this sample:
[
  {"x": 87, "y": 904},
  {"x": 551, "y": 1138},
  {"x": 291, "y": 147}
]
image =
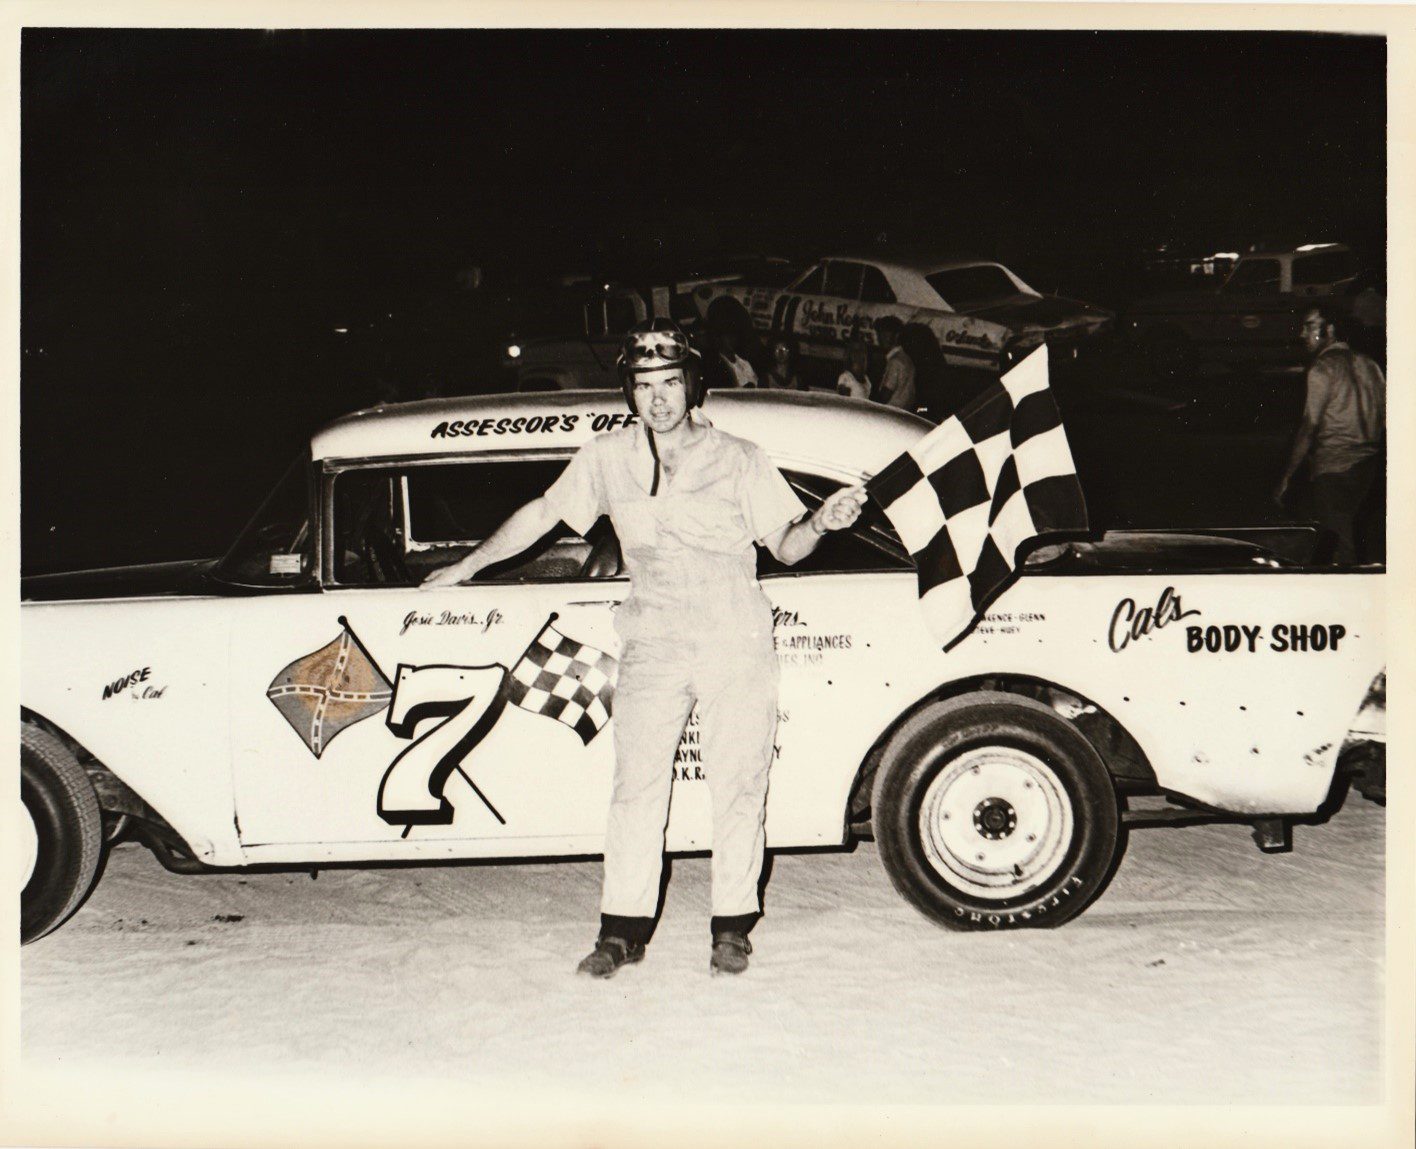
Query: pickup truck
[
  {"x": 1250, "y": 320},
  {"x": 582, "y": 338}
]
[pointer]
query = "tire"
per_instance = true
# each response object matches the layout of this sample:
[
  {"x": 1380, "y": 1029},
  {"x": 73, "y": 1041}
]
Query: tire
[
  {"x": 64, "y": 831},
  {"x": 992, "y": 812}
]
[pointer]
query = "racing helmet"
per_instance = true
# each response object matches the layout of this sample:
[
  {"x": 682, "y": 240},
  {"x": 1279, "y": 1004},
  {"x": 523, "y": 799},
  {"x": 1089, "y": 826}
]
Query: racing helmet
[{"x": 656, "y": 344}]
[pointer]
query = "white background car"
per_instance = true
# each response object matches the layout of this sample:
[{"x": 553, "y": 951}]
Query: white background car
[
  {"x": 976, "y": 309},
  {"x": 302, "y": 701}
]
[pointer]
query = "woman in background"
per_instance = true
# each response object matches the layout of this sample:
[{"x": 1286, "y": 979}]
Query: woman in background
[{"x": 781, "y": 374}]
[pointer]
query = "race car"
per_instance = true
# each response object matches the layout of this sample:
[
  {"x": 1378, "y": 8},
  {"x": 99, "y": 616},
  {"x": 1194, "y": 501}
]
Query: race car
[
  {"x": 981, "y": 314},
  {"x": 302, "y": 702}
]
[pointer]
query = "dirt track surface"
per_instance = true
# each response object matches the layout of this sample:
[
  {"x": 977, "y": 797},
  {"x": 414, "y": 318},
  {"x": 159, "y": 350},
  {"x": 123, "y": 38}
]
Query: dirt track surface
[{"x": 1207, "y": 972}]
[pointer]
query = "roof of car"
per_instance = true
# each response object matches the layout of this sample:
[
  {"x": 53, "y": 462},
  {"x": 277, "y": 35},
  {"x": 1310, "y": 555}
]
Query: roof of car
[
  {"x": 852, "y": 436},
  {"x": 919, "y": 265},
  {"x": 1305, "y": 249}
]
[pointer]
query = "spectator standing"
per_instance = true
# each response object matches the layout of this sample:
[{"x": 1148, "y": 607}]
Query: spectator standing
[
  {"x": 897, "y": 385},
  {"x": 1367, "y": 334},
  {"x": 740, "y": 371},
  {"x": 1342, "y": 434},
  {"x": 854, "y": 381},
  {"x": 936, "y": 388},
  {"x": 782, "y": 366}
]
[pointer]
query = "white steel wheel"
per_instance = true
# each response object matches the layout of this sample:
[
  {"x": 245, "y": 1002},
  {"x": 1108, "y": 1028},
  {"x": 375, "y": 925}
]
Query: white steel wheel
[
  {"x": 997, "y": 821},
  {"x": 992, "y": 811}
]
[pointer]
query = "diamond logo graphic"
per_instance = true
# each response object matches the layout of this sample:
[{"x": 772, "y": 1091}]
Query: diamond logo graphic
[{"x": 328, "y": 690}]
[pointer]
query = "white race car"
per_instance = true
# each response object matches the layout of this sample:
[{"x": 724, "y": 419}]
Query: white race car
[
  {"x": 978, "y": 310},
  {"x": 301, "y": 702}
]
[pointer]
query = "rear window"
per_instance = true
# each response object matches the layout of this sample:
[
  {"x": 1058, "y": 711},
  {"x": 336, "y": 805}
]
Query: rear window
[
  {"x": 964, "y": 287},
  {"x": 1325, "y": 267}
]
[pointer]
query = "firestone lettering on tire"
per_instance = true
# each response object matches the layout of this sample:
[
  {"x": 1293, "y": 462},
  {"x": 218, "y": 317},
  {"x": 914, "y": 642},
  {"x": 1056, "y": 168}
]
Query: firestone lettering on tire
[{"x": 1014, "y": 917}]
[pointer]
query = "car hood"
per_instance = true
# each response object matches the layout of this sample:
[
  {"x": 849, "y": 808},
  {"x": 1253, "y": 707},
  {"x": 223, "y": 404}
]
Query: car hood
[
  {"x": 143, "y": 580},
  {"x": 1042, "y": 312},
  {"x": 1185, "y": 550}
]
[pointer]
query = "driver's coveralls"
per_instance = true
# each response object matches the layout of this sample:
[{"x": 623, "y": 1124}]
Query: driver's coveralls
[{"x": 696, "y": 628}]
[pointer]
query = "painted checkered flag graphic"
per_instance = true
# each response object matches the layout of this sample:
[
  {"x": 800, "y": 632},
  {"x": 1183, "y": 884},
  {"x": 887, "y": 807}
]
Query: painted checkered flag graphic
[
  {"x": 971, "y": 492},
  {"x": 565, "y": 680}
]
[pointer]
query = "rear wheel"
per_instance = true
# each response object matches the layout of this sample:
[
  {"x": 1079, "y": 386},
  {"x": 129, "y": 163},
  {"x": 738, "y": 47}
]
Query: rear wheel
[
  {"x": 62, "y": 831},
  {"x": 993, "y": 812}
]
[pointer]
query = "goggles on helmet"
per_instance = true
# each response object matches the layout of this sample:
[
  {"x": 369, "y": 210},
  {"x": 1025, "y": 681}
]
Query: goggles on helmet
[{"x": 663, "y": 345}]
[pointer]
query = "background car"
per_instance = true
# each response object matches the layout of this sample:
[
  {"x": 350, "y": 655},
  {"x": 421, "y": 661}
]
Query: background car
[
  {"x": 1251, "y": 319},
  {"x": 568, "y": 336},
  {"x": 975, "y": 310}
]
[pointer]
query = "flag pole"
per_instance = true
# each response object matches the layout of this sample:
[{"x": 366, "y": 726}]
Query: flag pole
[
  {"x": 478, "y": 791},
  {"x": 545, "y": 626},
  {"x": 349, "y": 630}
]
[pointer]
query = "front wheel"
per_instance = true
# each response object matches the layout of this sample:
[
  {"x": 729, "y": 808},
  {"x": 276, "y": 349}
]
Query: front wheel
[
  {"x": 61, "y": 829},
  {"x": 991, "y": 811}
]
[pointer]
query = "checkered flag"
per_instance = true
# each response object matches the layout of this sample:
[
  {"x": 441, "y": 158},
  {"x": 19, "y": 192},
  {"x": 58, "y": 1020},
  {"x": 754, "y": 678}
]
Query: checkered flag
[
  {"x": 565, "y": 680},
  {"x": 971, "y": 492}
]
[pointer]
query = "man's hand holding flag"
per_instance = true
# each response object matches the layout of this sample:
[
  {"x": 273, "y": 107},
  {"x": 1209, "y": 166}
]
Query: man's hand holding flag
[{"x": 969, "y": 494}]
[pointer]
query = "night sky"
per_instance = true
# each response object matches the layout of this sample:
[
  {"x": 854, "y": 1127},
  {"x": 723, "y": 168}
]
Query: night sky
[{"x": 201, "y": 209}]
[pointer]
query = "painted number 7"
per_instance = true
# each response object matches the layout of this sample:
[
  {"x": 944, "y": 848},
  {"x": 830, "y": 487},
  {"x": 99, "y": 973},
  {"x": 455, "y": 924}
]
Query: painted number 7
[{"x": 469, "y": 700}]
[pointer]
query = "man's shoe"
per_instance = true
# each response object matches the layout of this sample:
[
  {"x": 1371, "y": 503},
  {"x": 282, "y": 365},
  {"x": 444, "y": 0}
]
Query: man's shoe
[
  {"x": 730, "y": 952},
  {"x": 608, "y": 955}
]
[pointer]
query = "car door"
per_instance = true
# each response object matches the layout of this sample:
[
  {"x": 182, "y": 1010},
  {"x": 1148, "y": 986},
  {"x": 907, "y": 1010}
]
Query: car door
[
  {"x": 1255, "y": 320},
  {"x": 822, "y": 309},
  {"x": 374, "y": 719},
  {"x": 836, "y": 629}
]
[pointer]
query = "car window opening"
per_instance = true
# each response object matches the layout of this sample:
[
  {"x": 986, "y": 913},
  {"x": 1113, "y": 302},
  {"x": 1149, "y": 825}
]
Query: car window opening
[
  {"x": 276, "y": 548},
  {"x": 967, "y": 287}
]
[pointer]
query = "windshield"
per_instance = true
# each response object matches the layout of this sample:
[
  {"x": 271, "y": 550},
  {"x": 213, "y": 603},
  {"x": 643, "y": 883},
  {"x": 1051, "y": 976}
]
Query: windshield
[
  {"x": 965, "y": 287},
  {"x": 276, "y": 549},
  {"x": 1254, "y": 277}
]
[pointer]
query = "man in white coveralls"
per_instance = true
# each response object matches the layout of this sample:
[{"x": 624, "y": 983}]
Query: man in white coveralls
[{"x": 687, "y": 502}]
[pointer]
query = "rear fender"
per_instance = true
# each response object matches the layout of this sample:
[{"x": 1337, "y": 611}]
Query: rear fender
[{"x": 1127, "y": 763}]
